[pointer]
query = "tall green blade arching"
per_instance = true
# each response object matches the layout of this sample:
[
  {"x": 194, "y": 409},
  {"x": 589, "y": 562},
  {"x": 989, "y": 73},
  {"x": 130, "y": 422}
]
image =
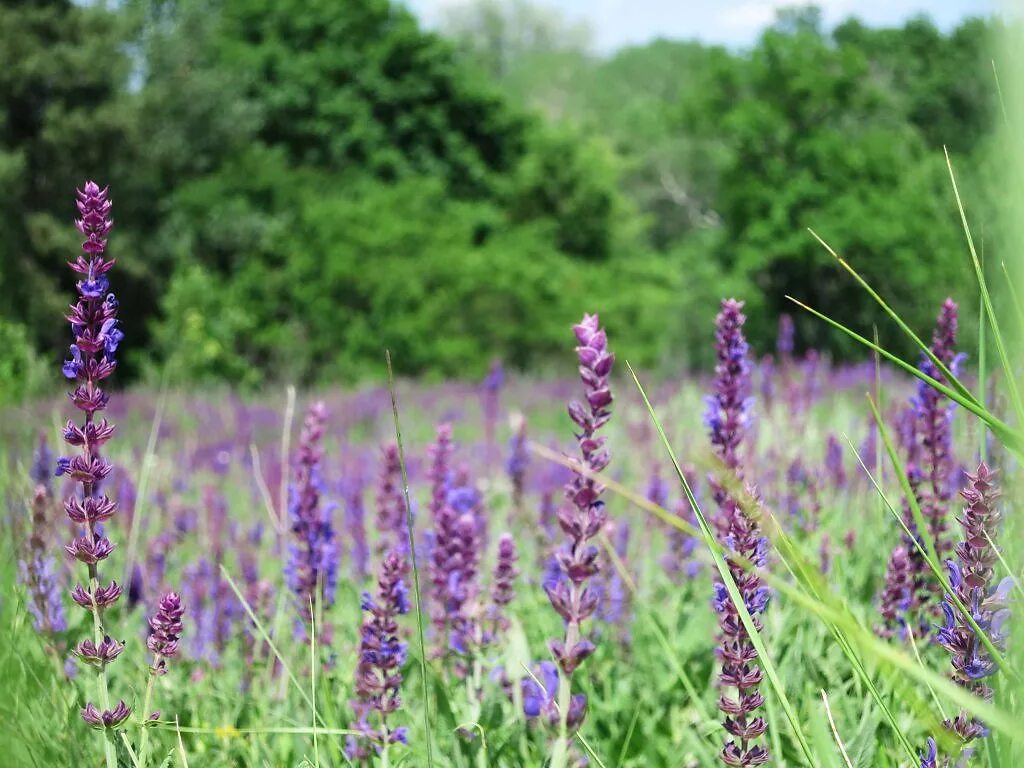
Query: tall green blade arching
[{"x": 986, "y": 298}]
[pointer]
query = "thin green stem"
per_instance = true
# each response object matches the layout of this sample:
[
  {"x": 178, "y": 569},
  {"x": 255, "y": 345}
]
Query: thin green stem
[{"x": 412, "y": 558}]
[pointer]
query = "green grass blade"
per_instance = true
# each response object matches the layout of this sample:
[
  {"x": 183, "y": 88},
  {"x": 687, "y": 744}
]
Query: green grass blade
[
  {"x": 1006, "y": 434},
  {"x": 415, "y": 568},
  {"x": 730, "y": 584},
  {"x": 997, "y": 336},
  {"x": 948, "y": 374}
]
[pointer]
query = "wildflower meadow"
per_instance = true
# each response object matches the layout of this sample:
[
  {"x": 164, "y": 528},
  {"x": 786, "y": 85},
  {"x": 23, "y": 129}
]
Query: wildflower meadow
[{"x": 799, "y": 546}]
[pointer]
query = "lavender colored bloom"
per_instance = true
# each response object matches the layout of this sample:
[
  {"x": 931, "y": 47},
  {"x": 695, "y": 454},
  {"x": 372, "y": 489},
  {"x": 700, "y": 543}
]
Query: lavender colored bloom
[
  {"x": 785, "y": 342},
  {"x": 727, "y": 418},
  {"x": 41, "y": 472},
  {"x": 378, "y": 676},
  {"x": 454, "y": 577},
  {"x": 355, "y": 524},
  {"x": 929, "y": 758},
  {"x": 37, "y": 569},
  {"x": 312, "y": 569},
  {"x": 439, "y": 471},
  {"x": 503, "y": 584},
  {"x": 518, "y": 461},
  {"x": 106, "y": 719},
  {"x": 166, "y": 631},
  {"x": 491, "y": 401},
  {"x": 583, "y": 517},
  {"x": 728, "y": 407},
  {"x": 930, "y": 464},
  {"x": 834, "y": 469},
  {"x": 933, "y": 421},
  {"x": 897, "y": 594},
  {"x": 970, "y": 577},
  {"x": 540, "y": 698},
  {"x": 97, "y": 335},
  {"x": 390, "y": 501}
]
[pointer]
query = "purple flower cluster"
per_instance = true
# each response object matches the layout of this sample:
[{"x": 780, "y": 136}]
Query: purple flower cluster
[
  {"x": 454, "y": 577},
  {"x": 928, "y": 440},
  {"x": 390, "y": 501},
  {"x": 517, "y": 463},
  {"x": 97, "y": 336},
  {"x": 897, "y": 594},
  {"x": 503, "y": 583},
  {"x": 439, "y": 471},
  {"x": 970, "y": 576},
  {"x": 378, "y": 675},
  {"x": 312, "y": 569},
  {"x": 582, "y": 518},
  {"x": 37, "y": 569},
  {"x": 727, "y": 418},
  {"x": 166, "y": 629},
  {"x": 933, "y": 419},
  {"x": 540, "y": 698},
  {"x": 728, "y": 406}
]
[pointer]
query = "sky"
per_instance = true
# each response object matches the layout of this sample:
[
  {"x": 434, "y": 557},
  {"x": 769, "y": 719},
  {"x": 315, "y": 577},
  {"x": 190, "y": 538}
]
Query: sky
[{"x": 615, "y": 23}]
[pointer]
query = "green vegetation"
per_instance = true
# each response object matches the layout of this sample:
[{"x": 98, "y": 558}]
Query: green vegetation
[{"x": 300, "y": 184}]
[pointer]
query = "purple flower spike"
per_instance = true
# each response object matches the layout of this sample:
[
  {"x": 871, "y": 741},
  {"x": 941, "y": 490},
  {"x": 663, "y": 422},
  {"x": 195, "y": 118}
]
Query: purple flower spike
[
  {"x": 970, "y": 577},
  {"x": 166, "y": 629},
  {"x": 518, "y": 461},
  {"x": 440, "y": 457},
  {"x": 897, "y": 595},
  {"x": 727, "y": 420},
  {"x": 312, "y": 569},
  {"x": 92, "y": 358},
  {"x": 728, "y": 407},
  {"x": 390, "y": 501},
  {"x": 381, "y": 658},
  {"x": 583, "y": 515},
  {"x": 37, "y": 570},
  {"x": 503, "y": 585}
]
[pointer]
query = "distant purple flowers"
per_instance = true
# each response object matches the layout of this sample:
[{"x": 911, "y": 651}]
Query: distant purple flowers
[
  {"x": 930, "y": 468},
  {"x": 727, "y": 419},
  {"x": 933, "y": 413},
  {"x": 582, "y": 518},
  {"x": 37, "y": 570},
  {"x": 312, "y": 568},
  {"x": 390, "y": 501},
  {"x": 96, "y": 333},
  {"x": 378, "y": 676}
]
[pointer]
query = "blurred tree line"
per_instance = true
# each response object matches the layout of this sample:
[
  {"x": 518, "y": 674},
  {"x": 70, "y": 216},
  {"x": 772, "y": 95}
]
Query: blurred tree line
[{"x": 301, "y": 183}]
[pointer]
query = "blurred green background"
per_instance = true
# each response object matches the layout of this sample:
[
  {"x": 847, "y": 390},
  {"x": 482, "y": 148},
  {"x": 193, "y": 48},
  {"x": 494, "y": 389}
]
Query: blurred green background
[{"x": 299, "y": 184}]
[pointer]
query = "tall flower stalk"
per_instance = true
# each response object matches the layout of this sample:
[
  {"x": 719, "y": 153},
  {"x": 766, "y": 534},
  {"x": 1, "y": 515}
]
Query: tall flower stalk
[
  {"x": 581, "y": 518},
  {"x": 970, "y": 576},
  {"x": 165, "y": 632},
  {"x": 728, "y": 417},
  {"x": 94, "y": 326},
  {"x": 930, "y": 465},
  {"x": 379, "y": 668},
  {"x": 390, "y": 502},
  {"x": 312, "y": 569},
  {"x": 37, "y": 568}
]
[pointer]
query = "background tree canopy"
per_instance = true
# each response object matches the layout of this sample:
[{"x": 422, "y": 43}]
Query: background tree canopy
[{"x": 300, "y": 183}]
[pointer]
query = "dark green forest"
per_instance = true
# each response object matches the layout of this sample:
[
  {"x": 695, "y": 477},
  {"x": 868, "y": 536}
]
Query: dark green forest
[{"x": 299, "y": 184}]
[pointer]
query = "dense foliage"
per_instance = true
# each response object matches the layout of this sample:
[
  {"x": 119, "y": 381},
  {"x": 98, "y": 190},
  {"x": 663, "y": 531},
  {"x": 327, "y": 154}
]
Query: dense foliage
[{"x": 301, "y": 184}]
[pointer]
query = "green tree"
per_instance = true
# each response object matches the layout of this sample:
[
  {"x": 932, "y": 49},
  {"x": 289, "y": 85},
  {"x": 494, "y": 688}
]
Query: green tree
[{"x": 59, "y": 124}]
